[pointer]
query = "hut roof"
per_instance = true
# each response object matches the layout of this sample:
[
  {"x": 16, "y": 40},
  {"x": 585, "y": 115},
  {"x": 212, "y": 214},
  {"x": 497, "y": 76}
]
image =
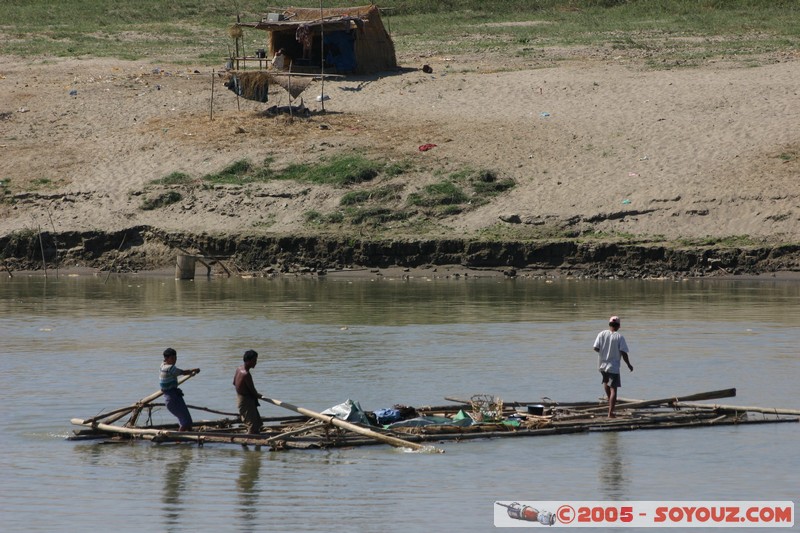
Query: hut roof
[{"x": 337, "y": 18}]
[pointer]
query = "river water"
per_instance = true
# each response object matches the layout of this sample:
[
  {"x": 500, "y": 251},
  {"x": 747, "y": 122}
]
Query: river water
[{"x": 78, "y": 345}]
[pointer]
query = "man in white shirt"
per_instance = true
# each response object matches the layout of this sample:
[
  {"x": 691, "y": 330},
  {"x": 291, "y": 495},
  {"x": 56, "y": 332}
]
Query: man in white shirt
[{"x": 611, "y": 346}]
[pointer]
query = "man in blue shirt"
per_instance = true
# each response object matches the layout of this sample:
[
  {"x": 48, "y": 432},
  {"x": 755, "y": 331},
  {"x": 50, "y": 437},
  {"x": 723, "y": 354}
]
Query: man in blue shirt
[{"x": 173, "y": 396}]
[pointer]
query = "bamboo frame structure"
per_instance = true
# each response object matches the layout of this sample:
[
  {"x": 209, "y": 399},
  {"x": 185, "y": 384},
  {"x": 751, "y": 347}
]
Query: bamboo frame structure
[{"x": 310, "y": 429}]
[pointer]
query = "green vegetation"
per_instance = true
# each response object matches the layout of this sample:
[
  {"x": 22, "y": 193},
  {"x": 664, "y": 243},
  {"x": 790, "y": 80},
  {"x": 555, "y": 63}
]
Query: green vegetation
[
  {"x": 379, "y": 194},
  {"x": 162, "y": 200},
  {"x": 449, "y": 197},
  {"x": 438, "y": 194},
  {"x": 176, "y": 178},
  {"x": 237, "y": 173},
  {"x": 375, "y": 216},
  {"x": 339, "y": 171},
  {"x": 196, "y": 31},
  {"x": 732, "y": 241}
]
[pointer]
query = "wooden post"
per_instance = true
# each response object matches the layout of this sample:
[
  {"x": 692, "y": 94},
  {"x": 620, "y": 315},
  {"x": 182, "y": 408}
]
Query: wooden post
[
  {"x": 41, "y": 245},
  {"x": 388, "y": 439},
  {"x": 211, "y": 111},
  {"x": 185, "y": 266}
]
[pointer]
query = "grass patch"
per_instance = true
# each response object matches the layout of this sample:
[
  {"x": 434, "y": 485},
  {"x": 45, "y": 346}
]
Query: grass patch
[
  {"x": 339, "y": 171},
  {"x": 175, "y": 178},
  {"x": 461, "y": 190},
  {"x": 731, "y": 241},
  {"x": 316, "y": 218},
  {"x": 438, "y": 194},
  {"x": 162, "y": 200},
  {"x": 196, "y": 32},
  {"x": 486, "y": 183},
  {"x": 379, "y": 194},
  {"x": 237, "y": 173},
  {"x": 374, "y": 216}
]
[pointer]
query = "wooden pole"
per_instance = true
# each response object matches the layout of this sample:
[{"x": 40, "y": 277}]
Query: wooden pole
[
  {"x": 739, "y": 408},
  {"x": 388, "y": 439},
  {"x": 114, "y": 262},
  {"x": 211, "y": 113},
  {"x": 5, "y": 265},
  {"x": 303, "y": 429},
  {"x": 55, "y": 240},
  {"x": 724, "y": 393},
  {"x": 141, "y": 403},
  {"x": 41, "y": 246},
  {"x": 322, "y": 53}
]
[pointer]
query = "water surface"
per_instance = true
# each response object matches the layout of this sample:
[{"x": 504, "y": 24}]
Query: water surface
[{"x": 76, "y": 346}]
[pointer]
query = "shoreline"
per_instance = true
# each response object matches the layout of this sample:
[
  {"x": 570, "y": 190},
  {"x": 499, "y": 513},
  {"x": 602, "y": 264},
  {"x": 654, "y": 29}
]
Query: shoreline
[
  {"x": 146, "y": 249},
  {"x": 389, "y": 273},
  {"x": 617, "y": 171}
]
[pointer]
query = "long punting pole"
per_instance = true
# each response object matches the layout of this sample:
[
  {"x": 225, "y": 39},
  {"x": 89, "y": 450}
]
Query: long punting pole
[
  {"x": 388, "y": 439},
  {"x": 720, "y": 407},
  {"x": 724, "y": 393}
]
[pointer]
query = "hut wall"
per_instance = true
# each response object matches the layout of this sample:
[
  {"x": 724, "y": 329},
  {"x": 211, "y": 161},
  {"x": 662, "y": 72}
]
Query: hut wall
[{"x": 374, "y": 48}]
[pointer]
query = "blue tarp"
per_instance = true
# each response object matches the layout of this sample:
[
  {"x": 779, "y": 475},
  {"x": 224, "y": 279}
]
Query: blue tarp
[{"x": 340, "y": 50}]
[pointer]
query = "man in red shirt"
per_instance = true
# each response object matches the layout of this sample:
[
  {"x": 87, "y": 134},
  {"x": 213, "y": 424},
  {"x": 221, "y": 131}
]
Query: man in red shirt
[{"x": 246, "y": 393}]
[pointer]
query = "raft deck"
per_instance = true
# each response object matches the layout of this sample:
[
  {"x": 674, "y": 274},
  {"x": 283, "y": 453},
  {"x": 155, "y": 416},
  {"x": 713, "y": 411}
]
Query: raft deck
[{"x": 480, "y": 417}]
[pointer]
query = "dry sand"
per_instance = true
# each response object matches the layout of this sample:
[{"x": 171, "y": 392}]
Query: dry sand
[{"x": 605, "y": 145}]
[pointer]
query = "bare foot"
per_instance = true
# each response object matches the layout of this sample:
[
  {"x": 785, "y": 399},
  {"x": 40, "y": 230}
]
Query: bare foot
[{"x": 612, "y": 416}]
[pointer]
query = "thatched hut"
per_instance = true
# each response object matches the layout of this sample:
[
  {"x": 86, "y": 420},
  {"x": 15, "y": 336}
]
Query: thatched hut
[{"x": 343, "y": 40}]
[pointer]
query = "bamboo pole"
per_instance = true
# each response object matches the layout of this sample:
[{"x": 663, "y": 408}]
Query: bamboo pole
[
  {"x": 303, "y": 429},
  {"x": 739, "y": 408},
  {"x": 724, "y": 393},
  {"x": 388, "y": 439},
  {"x": 138, "y": 405}
]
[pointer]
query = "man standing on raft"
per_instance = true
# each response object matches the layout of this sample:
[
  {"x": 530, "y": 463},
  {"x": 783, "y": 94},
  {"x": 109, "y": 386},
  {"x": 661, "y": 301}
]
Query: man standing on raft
[
  {"x": 611, "y": 345},
  {"x": 246, "y": 393}
]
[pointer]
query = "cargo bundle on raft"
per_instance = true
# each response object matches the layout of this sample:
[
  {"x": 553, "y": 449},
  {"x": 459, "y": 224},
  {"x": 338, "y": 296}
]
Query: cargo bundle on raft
[{"x": 418, "y": 428}]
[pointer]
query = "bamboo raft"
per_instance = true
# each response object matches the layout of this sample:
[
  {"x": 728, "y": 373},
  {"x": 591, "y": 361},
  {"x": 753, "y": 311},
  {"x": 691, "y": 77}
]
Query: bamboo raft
[{"x": 481, "y": 417}]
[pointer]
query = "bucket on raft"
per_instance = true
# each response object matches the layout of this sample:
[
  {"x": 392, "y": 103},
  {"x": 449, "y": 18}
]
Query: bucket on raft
[{"x": 536, "y": 409}]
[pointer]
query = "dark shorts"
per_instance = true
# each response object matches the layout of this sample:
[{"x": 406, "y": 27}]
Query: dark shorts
[{"x": 613, "y": 380}]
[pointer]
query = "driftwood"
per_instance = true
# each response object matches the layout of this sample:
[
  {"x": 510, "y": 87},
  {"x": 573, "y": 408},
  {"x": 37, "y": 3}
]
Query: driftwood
[{"x": 388, "y": 439}]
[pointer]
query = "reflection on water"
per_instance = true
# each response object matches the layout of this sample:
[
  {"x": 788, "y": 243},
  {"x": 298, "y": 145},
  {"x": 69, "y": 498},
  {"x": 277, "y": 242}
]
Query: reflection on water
[
  {"x": 94, "y": 346},
  {"x": 175, "y": 485},
  {"x": 611, "y": 467},
  {"x": 247, "y": 486},
  {"x": 397, "y": 302}
]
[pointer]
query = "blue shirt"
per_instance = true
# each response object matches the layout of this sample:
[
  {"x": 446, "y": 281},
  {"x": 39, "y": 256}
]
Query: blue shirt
[{"x": 168, "y": 377}]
